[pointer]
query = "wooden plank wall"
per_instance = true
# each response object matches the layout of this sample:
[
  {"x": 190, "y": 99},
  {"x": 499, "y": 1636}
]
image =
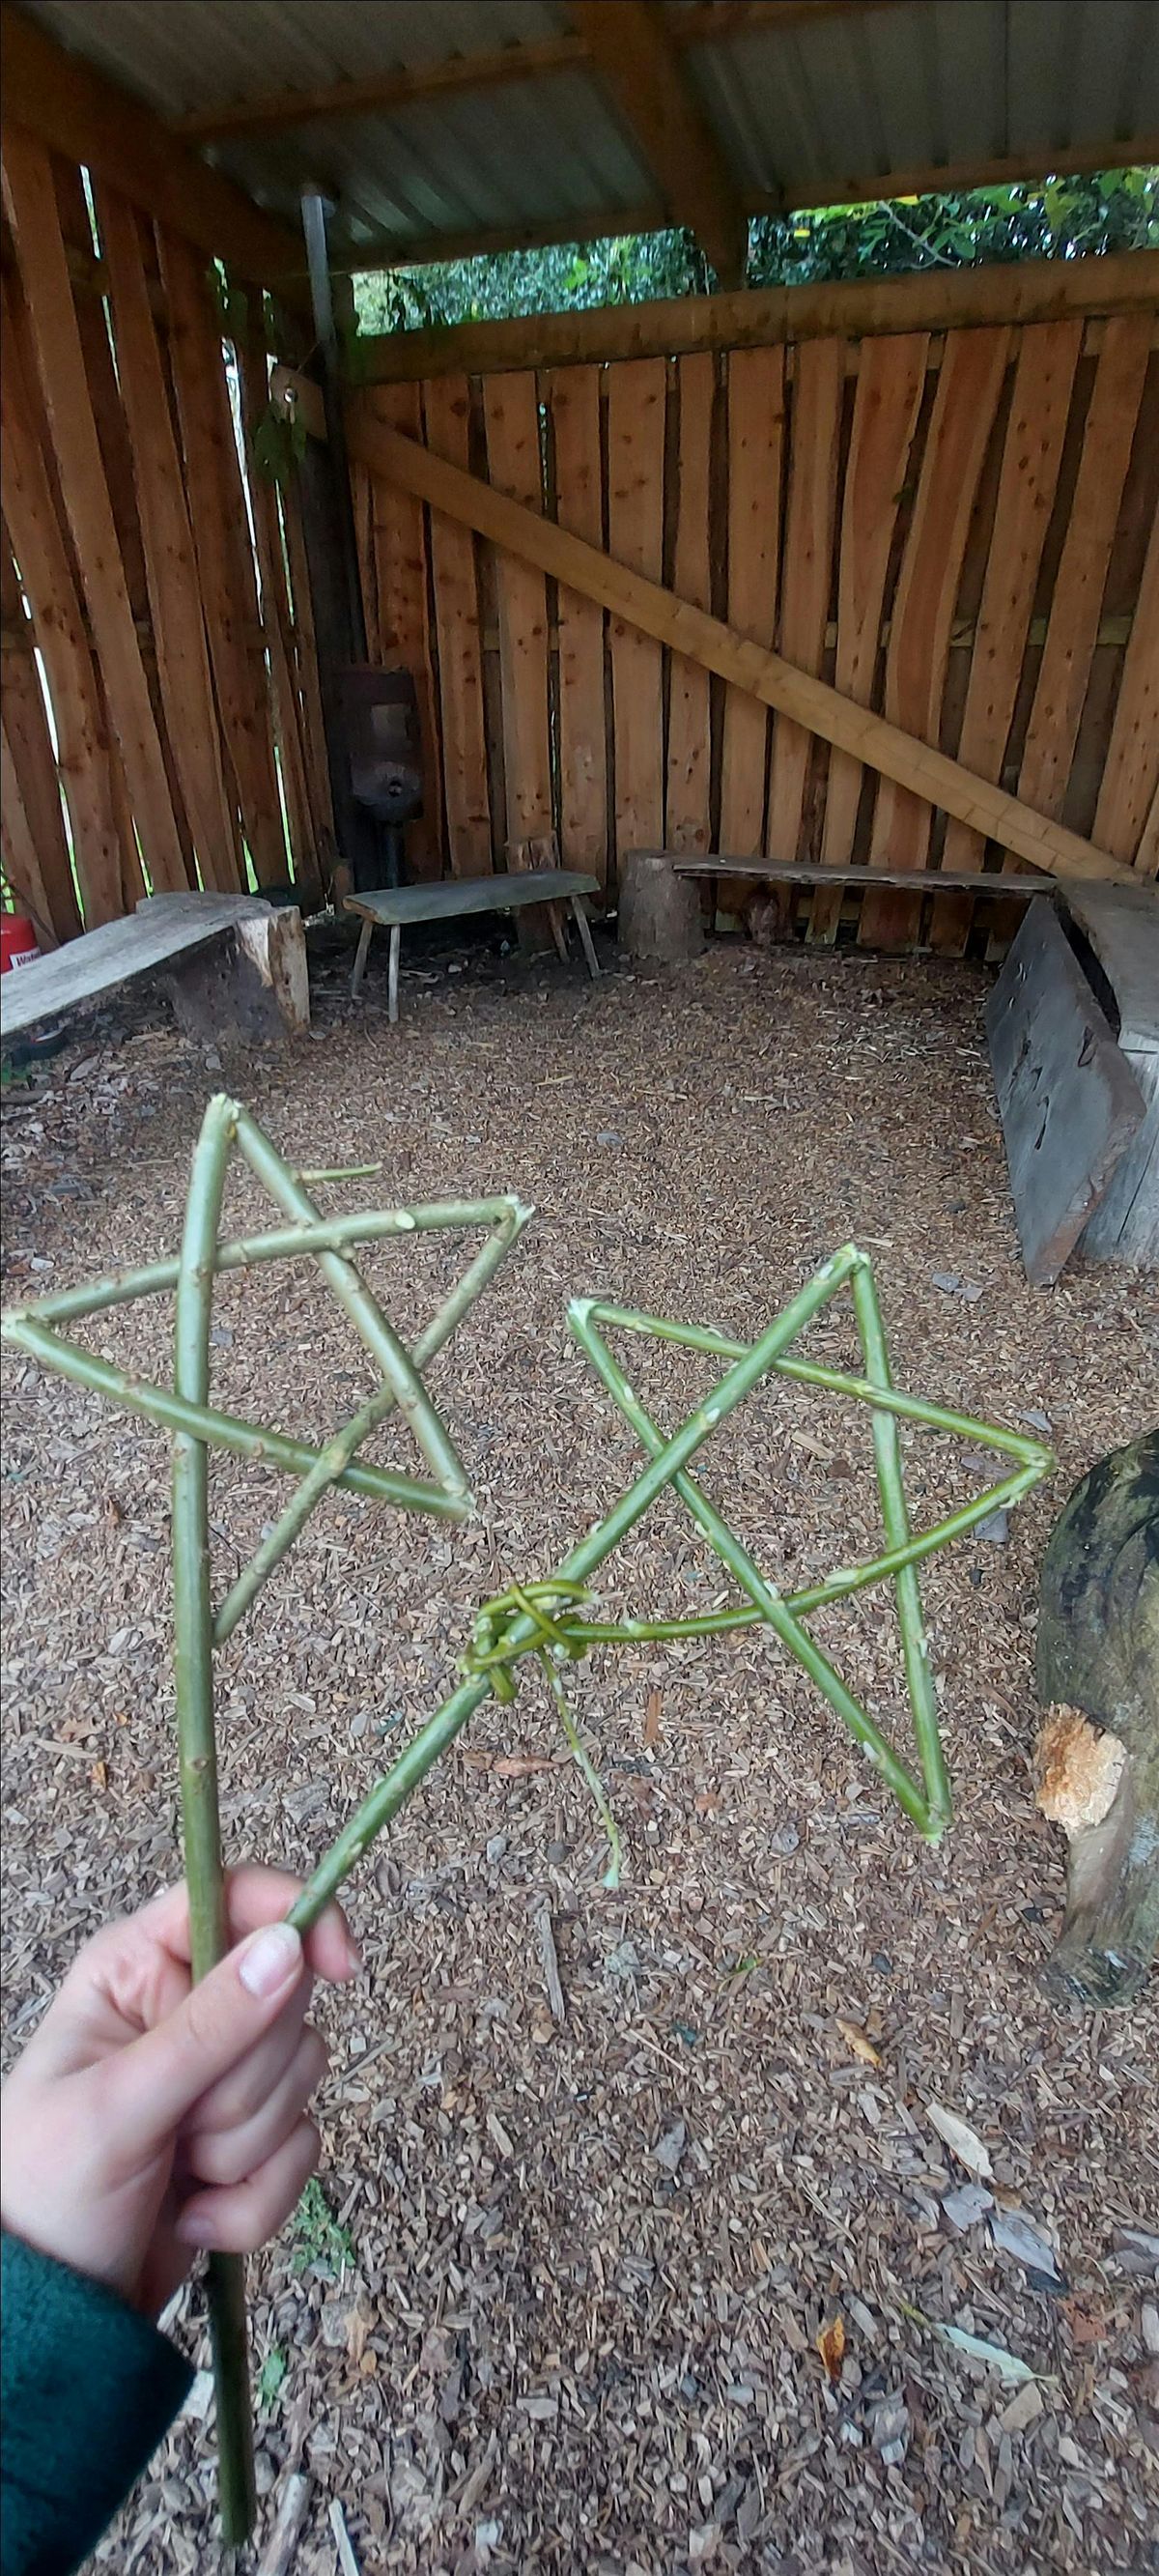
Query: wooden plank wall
[
  {"x": 955, "y": 529},
  {"x": 161, "y": 723}
]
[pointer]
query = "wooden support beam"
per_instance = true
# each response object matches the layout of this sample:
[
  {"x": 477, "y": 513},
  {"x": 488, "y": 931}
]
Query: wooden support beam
[
  {"x": 655, "y": 611},
  {"x": 60, "y": 99},
  {"x": 1035, "y": 290},
  {"x": 628, "y": 46}
]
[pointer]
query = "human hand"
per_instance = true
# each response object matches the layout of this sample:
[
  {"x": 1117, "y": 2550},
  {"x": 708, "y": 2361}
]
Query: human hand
[{"x": 148, "y": 2116}]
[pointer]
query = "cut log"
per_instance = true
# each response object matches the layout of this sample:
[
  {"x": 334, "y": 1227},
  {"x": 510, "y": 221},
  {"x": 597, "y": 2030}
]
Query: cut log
[
  {"x": 1098, "y": 1652},
  {"x": 659, "y": 915}
]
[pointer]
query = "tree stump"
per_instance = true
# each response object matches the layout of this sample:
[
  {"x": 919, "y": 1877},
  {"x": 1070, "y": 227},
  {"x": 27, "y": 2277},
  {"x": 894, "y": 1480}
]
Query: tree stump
[
  {"x": 1098, "y": 1654},
  {"x": 659, "y": 912}
]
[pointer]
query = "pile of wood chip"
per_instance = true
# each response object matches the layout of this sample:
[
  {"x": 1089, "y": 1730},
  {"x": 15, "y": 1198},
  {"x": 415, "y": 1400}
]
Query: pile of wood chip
[{"x": 763, "y": 2215}]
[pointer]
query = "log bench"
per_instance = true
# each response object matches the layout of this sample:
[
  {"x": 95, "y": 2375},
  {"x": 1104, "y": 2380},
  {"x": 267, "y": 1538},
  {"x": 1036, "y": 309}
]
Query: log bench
[
  {"x": 393, "y": 907},
  {"x": 234, "y": 967}
]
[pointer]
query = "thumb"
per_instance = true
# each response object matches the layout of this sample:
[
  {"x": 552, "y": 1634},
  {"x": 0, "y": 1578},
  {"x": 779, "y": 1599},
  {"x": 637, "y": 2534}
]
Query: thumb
[{"x": 162, "y": 2074}]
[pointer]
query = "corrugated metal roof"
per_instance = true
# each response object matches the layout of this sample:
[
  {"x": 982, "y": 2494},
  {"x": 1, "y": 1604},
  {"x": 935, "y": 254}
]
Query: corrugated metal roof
[{"x": 804, "y": 113}]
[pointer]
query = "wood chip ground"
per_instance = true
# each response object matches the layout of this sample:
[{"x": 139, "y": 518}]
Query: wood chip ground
[{"x": 588, "y": 2258}]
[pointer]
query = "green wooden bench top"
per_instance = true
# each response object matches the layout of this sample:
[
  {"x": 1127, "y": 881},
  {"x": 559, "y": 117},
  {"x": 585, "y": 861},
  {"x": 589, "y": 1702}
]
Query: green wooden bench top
[{"x": 389, "y": 905}]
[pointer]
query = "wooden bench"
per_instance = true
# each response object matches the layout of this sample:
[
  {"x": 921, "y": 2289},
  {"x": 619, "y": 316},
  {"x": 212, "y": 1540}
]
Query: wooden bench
[
  {"x": 393, "y": 907},
  {"x": 258, "y": 986}
]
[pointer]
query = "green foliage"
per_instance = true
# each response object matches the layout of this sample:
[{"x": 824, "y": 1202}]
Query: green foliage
[
  {"x": 278, "y": 442},
  {"x": 321, "y": 2244},
  {"x": 270, "y": 2378},
  {"x": 1111, "y": 210}
]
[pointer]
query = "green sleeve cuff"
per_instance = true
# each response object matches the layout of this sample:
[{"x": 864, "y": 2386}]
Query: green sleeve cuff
[{"x": 88, "y": 2389}]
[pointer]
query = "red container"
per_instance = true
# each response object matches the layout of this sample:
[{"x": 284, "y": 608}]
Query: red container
[{"x": 17, "y": 941}]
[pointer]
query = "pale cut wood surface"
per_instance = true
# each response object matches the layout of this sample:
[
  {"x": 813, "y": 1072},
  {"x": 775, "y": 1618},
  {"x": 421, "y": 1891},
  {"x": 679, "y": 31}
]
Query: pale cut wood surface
[
  {"x": 969, "y": 385},
  {"x": 399, "y": 555},
  {"x": 1122, "y": 925},
  {"x": 574, "y": 401},
  {"x": 687, "y": 800},
  {"x": 756, "y": 436},
  {"x": 636, "y": 397},
  {"x": 690, "y": 630},
  {"x": 30, "y": 198},
  {"x": 446, "y": 410},
  {"x": 1061, "y": 687},
  {"x": 888, "y": 398}
]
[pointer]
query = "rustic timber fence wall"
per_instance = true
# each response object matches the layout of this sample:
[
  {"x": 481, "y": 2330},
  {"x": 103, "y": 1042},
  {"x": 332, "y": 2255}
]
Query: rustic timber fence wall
[
  {"x": 161, "y": 723},
  {"x": 959, "y": 529}
]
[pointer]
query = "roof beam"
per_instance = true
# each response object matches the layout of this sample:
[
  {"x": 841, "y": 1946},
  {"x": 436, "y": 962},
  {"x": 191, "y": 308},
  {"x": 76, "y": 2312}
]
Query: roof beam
[
  {"x": 380, "y": 93},
  {"x": 627, "y": 41},
  {"x": 60, "y": 99}
]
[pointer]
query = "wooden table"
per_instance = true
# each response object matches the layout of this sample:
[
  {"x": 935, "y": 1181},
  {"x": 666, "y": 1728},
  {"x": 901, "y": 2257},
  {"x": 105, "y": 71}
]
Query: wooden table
[{"x": 392, "y": 907}]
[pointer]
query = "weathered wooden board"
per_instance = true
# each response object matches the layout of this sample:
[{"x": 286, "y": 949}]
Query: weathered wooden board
[
  {"x": 1069, "y": 1101},
  {"x": 969, "y": 383},
  {"x": 167, "y": 539},
  {"x": 224, "y": 556},
  {"x": 890, "y": 382},
  {"x": 573, "y": 400},
  {"x": 100, "y": 962},
  {"x": 636, "y": 399},
  {"x": 30, "y": 197},
  {"x": 1131, "y": 774},
  {"x": 277, "y": 625},
  {"x": 806, "y": 872},
  {"x": 447, "y": 415},
  {"x": 1032, "y": 450},
  {"x": 38, "y": 542},
  {"x": 1064, "y": 671},
  {"x": 511, "y": 414},
  {"x": 402, "y": 619},
  {"x": 1125, "y": 1228},
  {"x": 806, "y": 573},
  {"x": 756, "y": 438},
  {"x": 46, "y": 887},
  {"x": 689, "y": 782},
  {"x": 1122, "y": 926}
]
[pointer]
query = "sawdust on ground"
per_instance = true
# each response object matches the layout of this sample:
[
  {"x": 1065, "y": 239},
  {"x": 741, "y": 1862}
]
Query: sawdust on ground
[{"x": 570, "y": 2318}]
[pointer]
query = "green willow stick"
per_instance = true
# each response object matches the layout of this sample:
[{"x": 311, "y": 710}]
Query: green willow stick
[
  {"x": 331, "y": 1465},
  {"x": 330, "y": 1234},
  {"x": 221, "y": 1430},
  {"x": 201, "y": 1828},
  {"x": 363, "y": 1309},
  {"x": 895, "y": 1518}
]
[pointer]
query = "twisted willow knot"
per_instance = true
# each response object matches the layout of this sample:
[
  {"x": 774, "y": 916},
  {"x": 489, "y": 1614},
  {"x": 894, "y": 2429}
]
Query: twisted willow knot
[{"x": 495, "y": 1646}]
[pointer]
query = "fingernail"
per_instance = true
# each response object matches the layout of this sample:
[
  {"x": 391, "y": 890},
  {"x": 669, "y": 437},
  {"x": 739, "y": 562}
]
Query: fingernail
[
  {"x": 270, "y": 1958},
  {"x": 353, "y": 1955}
]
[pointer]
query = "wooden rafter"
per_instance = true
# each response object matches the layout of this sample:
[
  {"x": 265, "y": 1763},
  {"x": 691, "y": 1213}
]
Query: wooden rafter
[
  {"x": 465, "y": 499},
  {"x": 380, "y": 93},
  {"x": 628, "y": 46},
  {"x": 64, "y": 103}
]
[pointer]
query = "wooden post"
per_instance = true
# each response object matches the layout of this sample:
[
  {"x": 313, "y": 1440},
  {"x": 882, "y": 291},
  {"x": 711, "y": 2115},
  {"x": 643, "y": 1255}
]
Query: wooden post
[
  {"x": 332, "y": 561},
  {"x": 659, "y": 913}
]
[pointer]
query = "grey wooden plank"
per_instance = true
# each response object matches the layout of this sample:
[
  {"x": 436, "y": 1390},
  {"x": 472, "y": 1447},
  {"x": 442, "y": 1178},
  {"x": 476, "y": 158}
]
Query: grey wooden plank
[
  {"x": 1126, "y": 1226},
  {"x": 469, "y": 894},
  {"x": 100, "y": 961},
  {"x": 1069, "y": 1101},
  {"x": 1122, "y": 925},
  {"x": 910, "y": 880}
]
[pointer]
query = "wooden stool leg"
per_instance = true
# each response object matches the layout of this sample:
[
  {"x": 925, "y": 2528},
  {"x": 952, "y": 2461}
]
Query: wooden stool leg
[
  {"x": 364, "y": 937},
  {"x": 392, "y": 985},
  {"x": 559, "y": 934},
  {"x": 579, "y": 909}
]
